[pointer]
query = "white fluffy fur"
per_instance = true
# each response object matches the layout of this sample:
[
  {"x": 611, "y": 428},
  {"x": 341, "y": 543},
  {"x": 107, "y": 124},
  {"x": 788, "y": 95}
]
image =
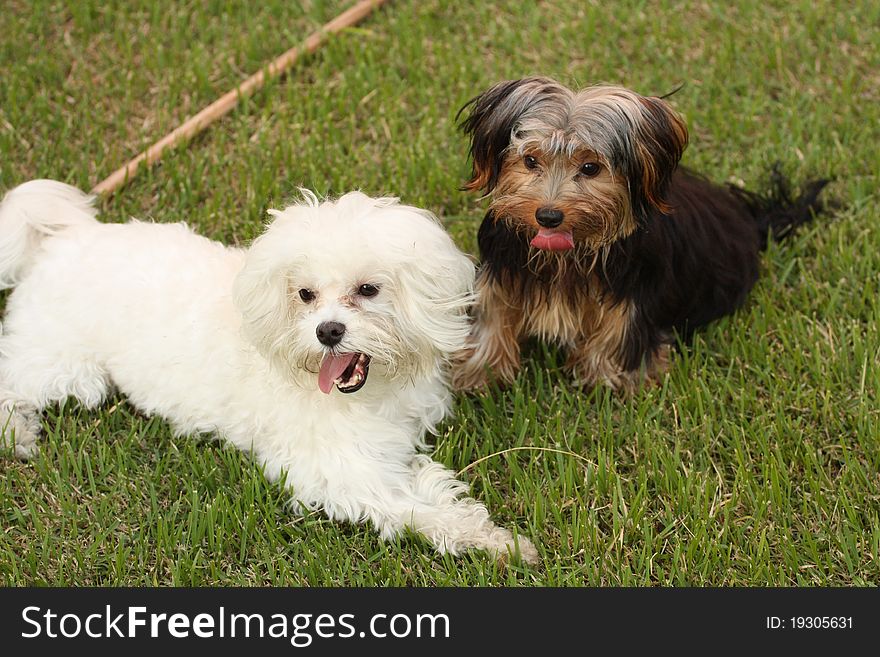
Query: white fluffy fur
[{"x": 216, "y": 339}]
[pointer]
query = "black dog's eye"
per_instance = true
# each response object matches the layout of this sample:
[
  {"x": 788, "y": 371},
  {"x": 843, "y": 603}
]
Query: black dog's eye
[
  {"x": 368, "y": 290},
  {"x": 530, "y": 162},
  {"x": 306, "y": 295},
  {"x": 590, "y": 169}
]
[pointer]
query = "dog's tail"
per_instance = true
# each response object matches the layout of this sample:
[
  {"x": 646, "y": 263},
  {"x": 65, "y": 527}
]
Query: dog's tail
[
  {"x": 30, "y": 213},
  {"x": 777, "y": 212}
]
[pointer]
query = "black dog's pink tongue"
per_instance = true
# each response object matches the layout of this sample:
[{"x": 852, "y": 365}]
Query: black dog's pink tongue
[
  {"x": 331, "y": 368},
  {"x": 553, "y": 240}
]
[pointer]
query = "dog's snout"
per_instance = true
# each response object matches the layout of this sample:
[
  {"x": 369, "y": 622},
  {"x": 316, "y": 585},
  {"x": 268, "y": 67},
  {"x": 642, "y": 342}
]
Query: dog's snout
[
  {"x": 549, "y": 217},
  {"x": 330, "y": 333}
]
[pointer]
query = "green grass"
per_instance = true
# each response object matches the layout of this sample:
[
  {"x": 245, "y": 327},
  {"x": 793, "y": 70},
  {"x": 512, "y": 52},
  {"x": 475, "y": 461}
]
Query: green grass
[{"x": 755, "y": 463}]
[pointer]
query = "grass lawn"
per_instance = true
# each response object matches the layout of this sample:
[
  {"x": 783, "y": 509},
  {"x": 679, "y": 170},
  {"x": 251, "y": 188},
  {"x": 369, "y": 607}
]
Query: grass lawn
[{"x": 757, "y": 462}]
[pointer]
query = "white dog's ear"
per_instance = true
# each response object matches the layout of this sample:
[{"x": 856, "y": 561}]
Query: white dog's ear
[
  {"x": 262, "y": 296},
  {"x": 437, "y": 289}
]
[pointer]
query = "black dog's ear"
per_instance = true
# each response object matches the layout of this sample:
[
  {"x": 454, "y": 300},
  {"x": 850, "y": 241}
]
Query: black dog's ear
[
  {"x": 492, "y": 117},
  {"x": 661, "y": 137}
]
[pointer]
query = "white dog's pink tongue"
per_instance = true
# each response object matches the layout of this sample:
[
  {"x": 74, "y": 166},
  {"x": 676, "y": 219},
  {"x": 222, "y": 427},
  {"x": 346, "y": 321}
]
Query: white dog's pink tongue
[
  {"x": 331, "y": 368},
  {"x": 553, "y": 240}
]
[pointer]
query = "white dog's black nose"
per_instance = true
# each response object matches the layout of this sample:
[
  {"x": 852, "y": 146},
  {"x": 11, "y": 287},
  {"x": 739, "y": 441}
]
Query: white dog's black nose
[
  {"x": 549, "y": 217},
  {"x": 330, "y": 333}
]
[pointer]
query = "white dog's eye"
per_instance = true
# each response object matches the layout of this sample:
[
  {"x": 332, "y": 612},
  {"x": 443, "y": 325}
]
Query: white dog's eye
[
  {"x": 306, "y": 295},
  {"x": 368, "y": 290}
]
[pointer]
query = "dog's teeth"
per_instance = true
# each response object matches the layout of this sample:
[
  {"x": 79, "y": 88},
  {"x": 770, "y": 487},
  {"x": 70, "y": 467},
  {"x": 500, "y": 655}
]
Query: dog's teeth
[
  {"x": 358, "y": 374},
  {"x": 356, "y": 378}
]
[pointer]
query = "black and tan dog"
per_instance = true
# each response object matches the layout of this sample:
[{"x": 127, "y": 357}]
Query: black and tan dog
[{"x": 595, "y": 240}]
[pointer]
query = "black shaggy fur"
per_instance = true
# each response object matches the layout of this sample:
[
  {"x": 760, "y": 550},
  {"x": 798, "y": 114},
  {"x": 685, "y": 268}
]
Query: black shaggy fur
[
  {"x": 664, "y": 248},
  {"x": 681, "y": 270},
  {"x": 699, "y": 264}
]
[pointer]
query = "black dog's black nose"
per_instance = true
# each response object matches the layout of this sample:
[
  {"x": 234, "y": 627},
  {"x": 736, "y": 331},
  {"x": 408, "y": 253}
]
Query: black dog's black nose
[
  {"x": 548, "y": 217},
  {"x": 330, "y": 333}
]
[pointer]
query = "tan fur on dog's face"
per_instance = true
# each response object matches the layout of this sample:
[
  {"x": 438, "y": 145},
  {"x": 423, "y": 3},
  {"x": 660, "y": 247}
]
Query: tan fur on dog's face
[
  {"x": 602, "y": 156},
  {"x": 596, "y": 207}
]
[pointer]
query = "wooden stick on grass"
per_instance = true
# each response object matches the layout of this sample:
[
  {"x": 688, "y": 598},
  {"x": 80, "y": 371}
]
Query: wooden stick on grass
[{"x": 229, "y": 100}]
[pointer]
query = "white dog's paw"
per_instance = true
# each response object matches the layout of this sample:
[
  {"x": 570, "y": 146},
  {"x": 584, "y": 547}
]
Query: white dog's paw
[
  {"x": 19, "y": 428},
  {"x": 528, "y": 553},
  {"x": 503, "y": 545},
  {"x": 27, "y": 451},
  {"x": 522, "y": 549}
]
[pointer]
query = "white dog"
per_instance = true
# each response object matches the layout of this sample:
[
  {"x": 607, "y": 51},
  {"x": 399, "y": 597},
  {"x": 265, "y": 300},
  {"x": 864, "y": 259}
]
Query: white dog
[{"x": 260, "y": 346}]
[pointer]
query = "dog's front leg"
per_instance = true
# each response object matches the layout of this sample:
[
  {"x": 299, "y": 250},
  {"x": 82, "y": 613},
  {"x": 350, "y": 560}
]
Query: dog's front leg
[
  {"x": 493, "y": 346},
  {"x": 617, "y": 353},
  {"x": 435, "y": 504}
]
